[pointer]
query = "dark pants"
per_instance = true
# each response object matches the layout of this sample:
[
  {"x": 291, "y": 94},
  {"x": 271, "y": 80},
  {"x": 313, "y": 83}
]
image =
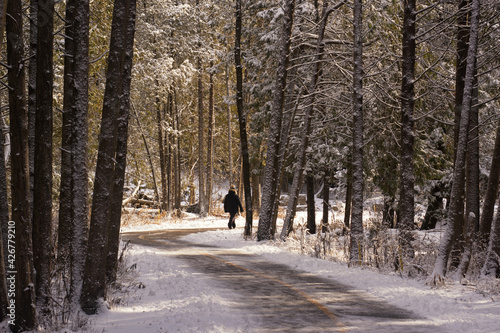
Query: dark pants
[{"x": 232, "y": 218}]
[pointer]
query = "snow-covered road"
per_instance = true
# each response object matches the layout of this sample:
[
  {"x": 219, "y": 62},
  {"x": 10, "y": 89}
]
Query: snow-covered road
[{"x": 274, "y": 297}]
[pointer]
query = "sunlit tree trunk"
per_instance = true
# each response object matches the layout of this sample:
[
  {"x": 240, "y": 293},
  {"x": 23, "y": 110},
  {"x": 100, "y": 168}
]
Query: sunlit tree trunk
[
  {"x": 210, "y": 142},
  {"x": 269, "y": 188}
]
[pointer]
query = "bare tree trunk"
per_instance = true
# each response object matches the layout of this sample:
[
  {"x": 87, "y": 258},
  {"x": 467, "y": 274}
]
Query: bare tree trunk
[
  {"x": 4, "y": 213},
  {"x": 177, "y": 157},
  {"x": 455, "y": 211},
  {"x": 94, "y": 281},
  {"x": 491, "y": 191},
  {"x": 326, "y": 203},
  {"x": 4, "y": 203},
  {"x": 407, "y": 178},
  {"x": 229, "y": 136},
  {"x": 356, "y": 246},
  {"x": 20, "y": 188},
  {"x": 311, "y": 206},
  {"x": 115, "y": 210},
  {"x": 33, "y": 17},
  {"x": 242, "y": 117},
  {"x": 79, "y": 134},
  {"x": 348, "y": 194},
  {"x": 161, "y": 150},
  {"x": 42, "y": 194},
  {"x": 269, "y": 189},
  {"x": 201, "y": 146},
  {"x": 491, "y": 265},
  {"x": 210, "y": 142}
]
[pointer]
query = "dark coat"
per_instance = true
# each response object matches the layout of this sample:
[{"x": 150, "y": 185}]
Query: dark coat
[{"x": 232, "y": 203}]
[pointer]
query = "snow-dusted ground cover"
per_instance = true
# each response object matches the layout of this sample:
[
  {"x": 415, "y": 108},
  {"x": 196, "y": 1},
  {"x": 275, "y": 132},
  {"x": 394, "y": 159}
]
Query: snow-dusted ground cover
[{"x": 175, "y": 298}]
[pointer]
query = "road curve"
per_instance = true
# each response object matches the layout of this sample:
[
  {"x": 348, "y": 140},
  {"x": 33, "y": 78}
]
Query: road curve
[{"x": 278, "y": 298}]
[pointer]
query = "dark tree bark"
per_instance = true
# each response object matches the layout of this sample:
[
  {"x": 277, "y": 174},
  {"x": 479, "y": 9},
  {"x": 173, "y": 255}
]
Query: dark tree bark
[
  {"x": 115, "y": 210},
  {"x": 491, "y": 191},
  {"x": 4, "y": 203},
  {"x": 94, "y": 280},
  {"x": 33, "y": 17},
  {"x": 66, "y": 187},
  {"x": 177, "y": 160},
  {"x": 201, "y": 146},
  {"x": 326, "y": 203},
  {"x": 242, "y": 117},
  {"x": 356, "y": 246},
  {"x": 348, "y": 194},
  {"x": 42, "y": 194},
  {"x": 4, "y": 215},
  {"x": 270, "y": 187},
  {"x": 407, "y": 178},
  {"x": 462, "y": 49},
  {"x": 311, "y": 206},
  {"x": 79, "y": 139},
  {"x": 20, "y": 190},
  {"x": 491, "y": 265},
  {"x": 210, "y": 142},
  {"x": 455, "y": 210}
]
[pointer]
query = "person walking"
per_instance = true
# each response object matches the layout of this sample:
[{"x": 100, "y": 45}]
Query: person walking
[{"x": 231, "y": 205}]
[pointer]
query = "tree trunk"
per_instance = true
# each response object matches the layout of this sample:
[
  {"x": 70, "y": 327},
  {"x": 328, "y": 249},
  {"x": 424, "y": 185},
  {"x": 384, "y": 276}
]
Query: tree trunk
[
  {"x": 94, "y": 285},
  {"x": 4, "y": 214},
  {"x": 348, "y": 194},
  {"x": 210, "y": 142},
  {"x": 491, "y": 191},
  {"x": 20, "y": 188},
  {"x": 177, "y": 157},
  {"x": 66, "y": 186},
  {"x": 242, "y": 117},
  {"x": 161, "y": 150},
  {"x": 201, "y": 146},
  {"x": 491, "y": 265},
  {"x": 42, "y": 194},
  {"x": 33, "y": 39},
  {"x": 311, "y": 206},
  {"x": 356, "y": 246},
  {"x": 326, "y": 203},
  {"x": 472, "y": 189},
  {"x": 115, "y": 210},
  {"x": 229, "y": 134},
  {"x": 407, "y": 178},
  {"x": 269, "y": 189},
  {"x": 455, "y": 211}
]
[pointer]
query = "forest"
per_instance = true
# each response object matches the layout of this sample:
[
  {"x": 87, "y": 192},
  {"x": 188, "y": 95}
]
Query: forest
[{"x": 166, "y": 103}]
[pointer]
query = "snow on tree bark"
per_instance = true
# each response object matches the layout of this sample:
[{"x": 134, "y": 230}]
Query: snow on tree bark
[
  {"x": 407, "y": 178},
  {"x": 356, "y": 243},
  {"x": 94, "y": 285},
  {"x": 491, "y": 265},
  {"x": 270, "y": 185},
  {"x": 454, "y": 212},
  {"x": 20, "y": 190}
]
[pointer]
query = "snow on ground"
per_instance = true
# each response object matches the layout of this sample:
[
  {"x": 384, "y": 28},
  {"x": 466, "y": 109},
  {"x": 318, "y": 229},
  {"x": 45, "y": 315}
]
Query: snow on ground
[{"x": 175, "y": 298}]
